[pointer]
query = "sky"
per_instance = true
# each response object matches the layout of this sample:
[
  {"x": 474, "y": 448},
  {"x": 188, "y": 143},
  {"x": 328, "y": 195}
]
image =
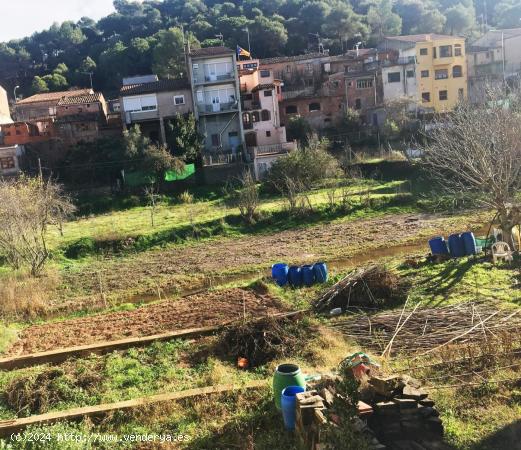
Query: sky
[{"x": 20, "y": 18}]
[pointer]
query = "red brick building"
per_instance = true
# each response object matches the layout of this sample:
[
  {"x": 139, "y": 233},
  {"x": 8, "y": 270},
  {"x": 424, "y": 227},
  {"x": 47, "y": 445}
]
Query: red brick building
[{"x": 22, "y": 133}]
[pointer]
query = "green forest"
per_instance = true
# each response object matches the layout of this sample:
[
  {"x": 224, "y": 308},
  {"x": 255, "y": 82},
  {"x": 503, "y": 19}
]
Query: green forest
[{"x": 147, "y": 37}]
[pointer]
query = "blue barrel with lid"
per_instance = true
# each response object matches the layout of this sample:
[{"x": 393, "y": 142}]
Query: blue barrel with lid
[
  {"x": 295, "y": 276},
  {"x": 308, "y": 275},
  {"x": 279, "y": 273},
  {"x": 469, "y": 242},
  {"x": 456, "y": 246},
  {"x": 320, "y": 270},
  {"x": 438, "y": 246}
]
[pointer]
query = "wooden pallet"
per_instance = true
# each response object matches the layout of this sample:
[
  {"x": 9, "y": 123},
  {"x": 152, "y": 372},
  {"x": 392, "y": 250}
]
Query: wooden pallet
[{"x": 7, "y": 427}]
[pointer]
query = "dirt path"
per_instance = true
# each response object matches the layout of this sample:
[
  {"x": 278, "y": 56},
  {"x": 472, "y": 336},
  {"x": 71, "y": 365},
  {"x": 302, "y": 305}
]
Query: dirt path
[
  {"x": 201, "y": 310},
  {"x": 178, "y": 267}
]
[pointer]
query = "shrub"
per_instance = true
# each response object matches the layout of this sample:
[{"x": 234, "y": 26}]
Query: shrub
[
  {"x": 306, "y": 166},
  {"x": 186, "y": 197},
  {"x": 82, "y": 247}
]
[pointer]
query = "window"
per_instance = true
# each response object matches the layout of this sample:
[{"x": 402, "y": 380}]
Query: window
[
  {"x": 461, "y": 94},
  {"x": 426, "y": 97},
  {"x": 265, "y": 115},
  {"x": 457, "y": 50},
  {"x": 358, "y": 103},
  {"x": 291, "y": 109},
  {"x": 137, "y": 104},
  {"x": 410, "y": 74},
  {"x": 268, "y": 93},
  {"x": 265, "y": 73},
  {"x": 288, "y": 69},
  {"x": 7, "y": 163},
  {"x": 179, "y": 99},
  {"x": 255, "y": 116},
  {"x": 441, "y": 74},
  {"x": 314, "y": 107},
  {"x": 424, "y": 51},
  {"x": 424, "y": 74},
  {"x": 278, "y": 89},
  {"x": 268, "y": 133},
  {"x": 393, "y": 77},
  {"x": 445, "y": 51},
  {"x": 457, "y": 72},
  {"x": 18, "y": 132},
  {"x": 216, "y": 140},
  {"x": 247, "y": 97},
  {"x": 246, "y": 121},
  {"x": 434, "y": 55},
  {"x": 443, "y": 95},
  {"x": 364, "y": 84}
]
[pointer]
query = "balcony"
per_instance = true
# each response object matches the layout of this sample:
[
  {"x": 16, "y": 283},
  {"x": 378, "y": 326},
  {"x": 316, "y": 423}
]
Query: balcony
[
  {"x": 273, "y": 149},
  {"x": 400, "y": 61},
  {"x": 221, "y": 157},
  {"x": 213, "y": 78},
  {"x": 138, "y": 116},
  {"x": 305, "y": 92},
  {"x": 217, "y": 108},
  {"x": 443, "y": 60}
]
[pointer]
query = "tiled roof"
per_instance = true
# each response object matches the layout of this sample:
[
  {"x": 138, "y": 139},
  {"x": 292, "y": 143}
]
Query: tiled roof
[
  {"x": 262, "y": 87},
  {"x": 422, "y": 37},
  {"x": 282, "y": 59},
  {"x": 155, "y": 86},
  {"x": 211, "y": 51},
  {"x": 81, "y": 99},
  {"x": 53, "y": 96}
]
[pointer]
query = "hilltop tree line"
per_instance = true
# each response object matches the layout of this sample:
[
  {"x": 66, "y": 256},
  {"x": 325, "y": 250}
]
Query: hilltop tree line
[{"x": 148, "y": 37}]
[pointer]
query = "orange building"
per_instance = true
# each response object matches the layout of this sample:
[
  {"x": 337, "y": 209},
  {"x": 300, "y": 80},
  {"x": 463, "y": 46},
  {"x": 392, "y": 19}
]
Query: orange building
[{"x": 21, "y": 133}]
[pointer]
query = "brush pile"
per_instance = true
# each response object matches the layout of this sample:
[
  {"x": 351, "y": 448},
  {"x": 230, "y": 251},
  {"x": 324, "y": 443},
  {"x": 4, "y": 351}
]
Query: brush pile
[
  {"x": 427, "y": 329},
  {"x": 264, "y": 340},
  {"x": 372, "y": 286},
  {"x": 38, "y": 394}
]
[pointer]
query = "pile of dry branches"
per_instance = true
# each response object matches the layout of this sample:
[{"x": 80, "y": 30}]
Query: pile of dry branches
[
  {"x": 424, "y": 330},
  {"x": 263, "y": 340},
  {"x": 372, "y": 286}
]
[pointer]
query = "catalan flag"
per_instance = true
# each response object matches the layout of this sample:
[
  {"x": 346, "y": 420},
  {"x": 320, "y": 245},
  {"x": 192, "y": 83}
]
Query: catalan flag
[{"x": 242, "y": 52}]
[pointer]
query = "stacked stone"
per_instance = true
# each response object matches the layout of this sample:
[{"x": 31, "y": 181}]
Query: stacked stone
[{"x": 404, "y": 417}]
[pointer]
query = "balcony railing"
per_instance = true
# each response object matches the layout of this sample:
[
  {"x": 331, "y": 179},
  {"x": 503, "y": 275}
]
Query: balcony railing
[
  {"x": 221, "y": 157},
  {"x": 201, "y": 78},
  {"x": 273, "y": 149},
  {"x": 214, "y": 108},
  {"x": 305, "y": 92}
]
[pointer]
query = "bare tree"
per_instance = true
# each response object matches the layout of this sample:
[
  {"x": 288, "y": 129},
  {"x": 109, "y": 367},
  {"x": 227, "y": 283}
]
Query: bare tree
[
  {"x": 476, "y": 150},
  {"x": 152, "y": 197},
  {"x": 245, "y": 195},
  {"x": 27, "y": 207}
]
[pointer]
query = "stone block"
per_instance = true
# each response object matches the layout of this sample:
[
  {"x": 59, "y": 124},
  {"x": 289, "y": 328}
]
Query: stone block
[
  {"x": 386, "y": 386},
  {"x": 427, "y": 402},
  {"x": 414, "y": 393},
  {"x": 406, "y": 403}
]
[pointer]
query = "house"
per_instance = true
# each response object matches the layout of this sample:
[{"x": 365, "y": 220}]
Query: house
[
  {"x": 215, "y": 92},
  {"x": 264, "y": 136},
  {"x": 320, "y": 88},
  {"x": 149, "y": 102},
  {"x": 5, "y": 114},
  {"x": 43, "y": 106},
  {"x": 81, "y": 117},
  {"x": 10, "y": 160},
  {"x": 493, "y": 59},
  {"x": 440, "y": 70},
  {"x": 23, "y": 133}
]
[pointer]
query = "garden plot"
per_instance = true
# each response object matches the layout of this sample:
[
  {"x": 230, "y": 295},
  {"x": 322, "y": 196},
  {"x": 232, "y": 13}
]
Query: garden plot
[{"x": 201, "y": 310}]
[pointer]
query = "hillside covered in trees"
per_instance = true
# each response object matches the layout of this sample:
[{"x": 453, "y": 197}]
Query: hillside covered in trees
[{"x": 147, "y": 37}]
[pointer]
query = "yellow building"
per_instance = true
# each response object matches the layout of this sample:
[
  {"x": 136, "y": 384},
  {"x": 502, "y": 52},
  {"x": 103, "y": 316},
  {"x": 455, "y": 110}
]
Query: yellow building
[{"x": 440, "y": 67}]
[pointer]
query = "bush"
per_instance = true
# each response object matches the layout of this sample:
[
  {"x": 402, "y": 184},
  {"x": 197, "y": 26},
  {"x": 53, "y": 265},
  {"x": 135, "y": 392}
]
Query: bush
[
  {"x": 305, "y": 166},
  {"x": 82, "y": 247}
]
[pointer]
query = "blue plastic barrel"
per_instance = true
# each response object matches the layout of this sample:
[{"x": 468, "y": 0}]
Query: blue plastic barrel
[
  {"x": 469, "y": 242},
  {"x": 308, "y": 275},
  {"x": 288, "y": 403},
  {"x": 320, "y": 270},
  {"x": 279, "y": 272},
  {"x": 438, "y": 246},
  {"x": 456, "y": 246},
  {"x": 295, "y": 276}
]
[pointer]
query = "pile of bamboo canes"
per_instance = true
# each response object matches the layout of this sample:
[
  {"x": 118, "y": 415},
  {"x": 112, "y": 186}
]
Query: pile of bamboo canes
[{"x": 424, "y": 330}]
